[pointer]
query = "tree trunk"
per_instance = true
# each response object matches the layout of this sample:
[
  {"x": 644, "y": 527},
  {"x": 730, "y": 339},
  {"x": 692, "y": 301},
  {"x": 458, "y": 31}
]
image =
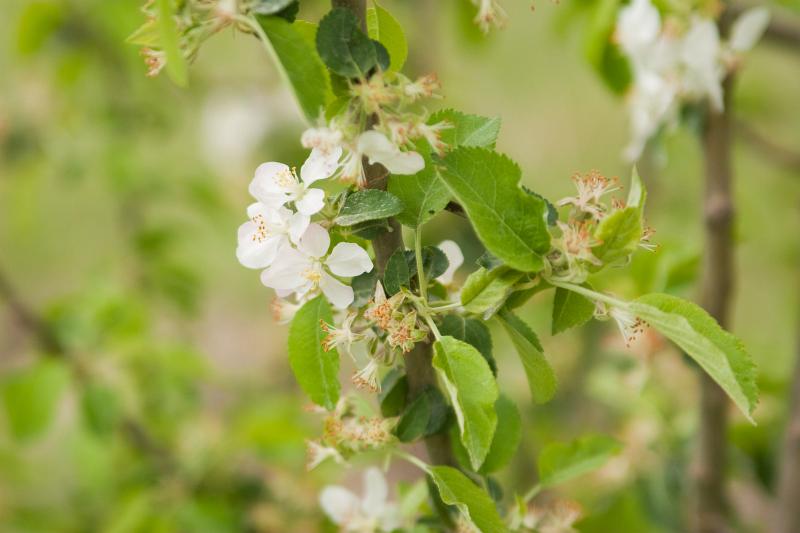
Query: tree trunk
[{"x": 710, "y": 509}]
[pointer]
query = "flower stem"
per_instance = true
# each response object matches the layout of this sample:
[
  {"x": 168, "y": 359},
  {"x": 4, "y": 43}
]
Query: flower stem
[{"x": 423, "y": 286}]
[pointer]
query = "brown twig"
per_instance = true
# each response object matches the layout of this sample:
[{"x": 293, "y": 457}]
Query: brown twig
[
  {"x": 710, "y": 508},
  {"x": 788, "y": 512},
  {"x": 134, "y": 431},
  {"x": 774, "y": 152},
  {"x": 419, "y": 369}
]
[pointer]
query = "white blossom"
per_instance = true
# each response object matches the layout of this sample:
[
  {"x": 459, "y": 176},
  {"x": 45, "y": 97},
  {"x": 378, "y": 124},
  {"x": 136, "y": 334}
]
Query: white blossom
[
  {"x": 748, "y": 29},
  {"x": 379, "y": 149},
  {"x": 455, "y": 259},
  {"x": 275, "y": 184},
  {"x": 308, "y": 267},
  {"x": 267, "y": 231},
  {"x": 367, "y": 514},
  {"x": 700, "y": 58}
]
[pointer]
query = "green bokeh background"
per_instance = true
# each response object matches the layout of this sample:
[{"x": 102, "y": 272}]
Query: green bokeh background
[{"x": 120, "y": 197}]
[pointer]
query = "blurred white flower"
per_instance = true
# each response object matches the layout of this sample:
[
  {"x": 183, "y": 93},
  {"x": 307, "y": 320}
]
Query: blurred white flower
[
  {"x": 275, "y": 184},
  {"x": 700, "y": 57},
  {"x": 267, "y": 231},
  {"x": 367, "y": 514},
  {"x": 307, "y": 268},
  {"x": 455, "y": 259},
  {"x": 651, "y": 104},
  {"x": 235, "y": 122},
  {"x": 638, "y": 29},
  {"x": 748, "y": 29}
]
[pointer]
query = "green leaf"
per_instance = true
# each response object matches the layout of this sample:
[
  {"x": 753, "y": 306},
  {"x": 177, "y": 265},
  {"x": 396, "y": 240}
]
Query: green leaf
[
  {"x": 602, "y": 52},
  {"x": 473, "y": 502},
  {"x": 485, "y": 291},
  {"x": 509, "y": 222},
  {"x": 368, "y": 204},
  {"x": 561, "y": 462},
  {"x": 397, "y": 273},
  {"x": 316, "y": 370},
  {"x": 423, "y": 194},
  {"x": 425, "y": 416},
  {"x": 101, "y": 408},
  {"x": 621, "y": 231},
  {"x": 637, "y": 193},
  {"x": 30, "y": 397},
  {"x": 506, "y": 437},
  {"x": 343, "y": 47},
  {"x": 299, "y": 63},
  {"x": 169, "y": 38},
  {"x": 467, "y": 130},
  {"x": 434, "y": 263},
  {"x": 619, "y": 234},
  {"x": 570, "y": 309},
  {"x": 394, "y": 390},
  {"x": 541, "y": 378},
  {"x": 718, "y": 352},
  {"x": 472, "y": 331},
  {"x": 385, "y": 29},
  {"x": 364, "y": 287},
  {"x": 472, "y": 391}
]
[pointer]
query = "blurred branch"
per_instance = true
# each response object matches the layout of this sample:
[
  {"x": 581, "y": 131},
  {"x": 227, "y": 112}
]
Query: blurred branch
[
  {"x": 788, "y": 512},
  {"x": 781, "y": 30},
  {"x": 28, "y": 318},
  {"x": 135, "y": 432},
  {"x": 419, "y": 369},
  {"x": 776, "y": 153},
  {"x": 709, "y": 499}
]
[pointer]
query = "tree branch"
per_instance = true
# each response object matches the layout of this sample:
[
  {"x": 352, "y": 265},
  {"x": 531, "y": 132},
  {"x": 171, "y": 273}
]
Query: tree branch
[
  {"x": 774, "y": 152},
  {"x": 710, "y": 507},
  {"x": 419, "y": 369},
  {"x": 788, "y": 512},
  {"x": 134, "y": 431}
]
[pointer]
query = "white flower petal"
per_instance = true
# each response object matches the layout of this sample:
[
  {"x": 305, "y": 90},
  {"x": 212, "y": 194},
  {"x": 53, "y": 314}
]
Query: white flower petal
[
  {"x": 348, "y": 259},
  {"x": 312, "y": 201},
  {"x": 455, "y": 259},
  {"x": 339, "y": 294},
  {"x": 298, "y": 224},
  {"x": 373, "y": 143},
  {"x": 315, "y": 241},
  {"x": 267, "y": 185},
  {"x": 320, "y": 165},
  {"x": 749, "y": 28},
  {"x": 254, "y": 253},
  {"x": 376, "y": 492},
  {"x": 638, "y": 27},
  {"x": 339, "y": 504},
  {"x": 403, "y": 163},
  {"x": 286, "y": 271}
]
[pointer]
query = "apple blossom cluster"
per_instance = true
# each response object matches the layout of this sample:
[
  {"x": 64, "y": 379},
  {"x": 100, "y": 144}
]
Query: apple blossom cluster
[
  {"x": 572, "y": 258},
  {"x": 676, "y": 60},
  {"x": 295, "y": 254},
  {"x": 385, "y": 101}
]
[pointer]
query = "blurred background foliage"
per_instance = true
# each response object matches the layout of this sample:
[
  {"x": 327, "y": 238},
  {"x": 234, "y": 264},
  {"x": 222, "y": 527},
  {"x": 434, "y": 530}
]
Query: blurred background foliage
[{"x": 143, "y": 383}]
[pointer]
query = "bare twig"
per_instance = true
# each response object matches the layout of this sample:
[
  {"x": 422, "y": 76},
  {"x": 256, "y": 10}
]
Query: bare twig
[
  {"x": 710, "y": 508},
  {"x": 134, "y": 431},
  {"x": 788, "y": 512},
  {"x": 774, "y": 152}
]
